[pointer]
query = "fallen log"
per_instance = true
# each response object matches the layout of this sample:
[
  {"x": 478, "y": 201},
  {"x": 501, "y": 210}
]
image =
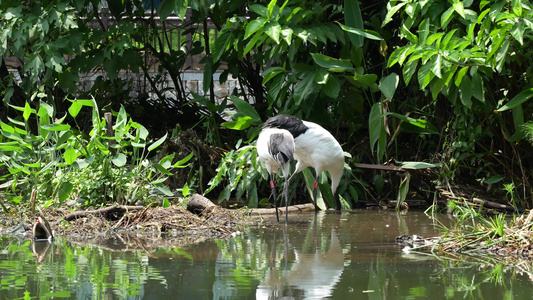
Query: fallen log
[
  {"x": 299, "y": 208},
  {"x": 200, "y": 205},
  {"x": 114, "y": 212}
]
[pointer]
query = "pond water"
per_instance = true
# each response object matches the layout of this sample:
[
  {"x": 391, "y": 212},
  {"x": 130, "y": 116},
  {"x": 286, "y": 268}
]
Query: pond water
[{"x": 348, "y": 255}]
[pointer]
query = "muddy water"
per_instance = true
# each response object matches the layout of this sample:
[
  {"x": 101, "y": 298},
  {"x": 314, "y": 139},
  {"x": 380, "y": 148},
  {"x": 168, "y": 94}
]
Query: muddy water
[{"x": 351, "y": 255}]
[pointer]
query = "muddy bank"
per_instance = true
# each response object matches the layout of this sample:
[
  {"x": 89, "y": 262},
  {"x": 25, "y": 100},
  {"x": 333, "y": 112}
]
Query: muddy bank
[{"x": 201, "y": 220}]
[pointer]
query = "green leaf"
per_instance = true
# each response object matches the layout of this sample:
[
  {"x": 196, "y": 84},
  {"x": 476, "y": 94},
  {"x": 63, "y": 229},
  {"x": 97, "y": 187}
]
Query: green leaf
[
  {"x": 271, "y": 73},
  {"x": 241, "y": 123},
  {"x": 27, "y": 111},
  {"x": 56, "y": 127},
  {"x": 417, "y": 165},
  {"x": 259, "y": 9},
  {"x": 354, "y": 20},
  {"x": 332, "y": 64},
  {"x": 221, "y": 43},
  {"x": 246, "y": 109},
  {"x": 522, "y": 97},
  {"x": 180, "y": 163},
  {"x": 388, "y": 85},
  {"x": 369, "y": 34},
  {"x": 309, "y": 183},
  {"x": 70, "y": 155},
  {"x": 158, "y": 142},
  {"x": 273, "y": 30},
  {"x": 403, "y": 190},
  {"x": 162, "y": 169},
  {"x": 391, "y": 11},
  {"x": 459, "y": 8},
  {"x": 165, "y": 8},
  {"x": 75, "y": 108},
  {"x": 180, "y": 8},
  {"x": 253, "y": 26},
  {"x": 64, "y": 191},
  {"x": 424, "y": 126},
  {"x": 375, "y": 124},
  {"x": 119, "y": 160},
  {"x": 305, "y": 87},
  {"x": 332, "y": 87},
  {"x": 460, "y": 75}
]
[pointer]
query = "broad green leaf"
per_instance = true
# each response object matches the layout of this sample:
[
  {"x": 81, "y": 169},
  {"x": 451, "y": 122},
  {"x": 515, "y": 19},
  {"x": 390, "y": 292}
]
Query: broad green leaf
[
  {"x": 253, "y": 26},
  {"x": 162, "y": 169},
  {"x": 522, "y": 97},
  {"x": 459, "y": 8},
  {"x": 332, "y": 87},
  {"x": 417, "y": 165},
  {"x": 27, "y": 111},
  {"x": 403, "y": 190},
  {"x": 75, "y": 108},
  {"x": 391, "y": 11},
  {"x": 424, "y": 126},
  {"x": 465, "y": 92},
  {"x": 271, "y": 73},
  {"x": 273, "y": 30},
  {"x": 221, "y": 43},
  {"x": 375, "y": 124},
  {"x": 332, "y": 64},
  {"x": 354, "y": 20},
  {"x": 181, "y": 162},
  {"x": 493, "y": 179},
  {"x": 165, "y": 8},
  {"x": 158, "y": 142},
  {"x": 161, "y": 189},
  {"x": 246, "y": 109},
  {"x": 460, "y": 75},
  {"x": 241, "y": 123},
  {"x": 70, "y": 155},
  {"x": 388, "y": 85},
  {"x": 305, "y": 87},
  {"x": 369, "y": 34},
  {"x": 436, "y": 65},
  {"x": 365, "y": 81},
  {"x": 259, "y": 9},
  {"x": 56, "y": 127},
  {"x": 119, "y": 160},
  {"x": 309, "y": 183},
  {"x": 180, "y": 8}
]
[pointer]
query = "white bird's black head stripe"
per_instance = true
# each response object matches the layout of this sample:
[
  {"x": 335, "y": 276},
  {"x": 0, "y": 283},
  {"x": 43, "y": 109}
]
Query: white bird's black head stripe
[
  {"x": 280, "y": 148},
  {"x": 290, "y": 123}
]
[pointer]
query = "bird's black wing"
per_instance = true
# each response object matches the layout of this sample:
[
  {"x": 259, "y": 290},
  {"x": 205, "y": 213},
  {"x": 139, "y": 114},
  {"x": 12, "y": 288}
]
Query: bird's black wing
[
  {"x": 290, "y": 123},
  {"x": 281, "y": 148}
]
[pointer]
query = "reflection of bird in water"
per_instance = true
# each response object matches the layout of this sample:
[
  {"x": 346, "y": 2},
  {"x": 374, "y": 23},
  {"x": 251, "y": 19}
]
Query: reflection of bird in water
[
  {"x": 305, "y": 275},
  {"x": 314, "y": 147}
]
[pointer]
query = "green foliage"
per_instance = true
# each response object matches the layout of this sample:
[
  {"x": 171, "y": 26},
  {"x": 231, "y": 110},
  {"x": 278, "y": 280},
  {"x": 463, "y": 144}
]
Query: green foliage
[
  {"x": 64, "y": 164},
  {"x": 240, "y": 172}
]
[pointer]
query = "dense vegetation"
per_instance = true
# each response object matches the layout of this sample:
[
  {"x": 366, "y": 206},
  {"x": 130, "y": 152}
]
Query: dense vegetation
[{"x": 441, "y": 82}]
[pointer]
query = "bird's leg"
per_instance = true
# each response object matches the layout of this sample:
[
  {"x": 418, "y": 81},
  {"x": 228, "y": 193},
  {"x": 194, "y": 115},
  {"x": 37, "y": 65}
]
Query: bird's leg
[
  {"x": 273, "y": 187},
  {"x": 337, "y": 201},
  {"x": 286, "y": 194},
  {"x": 315, "y": 190}
]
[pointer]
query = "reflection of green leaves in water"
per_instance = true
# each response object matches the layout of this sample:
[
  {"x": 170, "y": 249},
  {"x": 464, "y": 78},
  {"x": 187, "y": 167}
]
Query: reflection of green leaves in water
[{"x": 87, "y": 271}]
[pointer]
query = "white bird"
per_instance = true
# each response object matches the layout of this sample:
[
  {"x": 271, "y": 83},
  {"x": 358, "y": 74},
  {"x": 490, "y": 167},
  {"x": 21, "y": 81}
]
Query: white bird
[
  {"x": 314, "y": 147},
  {"x": 275, "y": 148}
]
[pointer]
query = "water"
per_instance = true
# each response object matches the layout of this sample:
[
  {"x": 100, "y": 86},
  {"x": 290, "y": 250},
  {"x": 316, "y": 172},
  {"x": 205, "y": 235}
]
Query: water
[{"x": 351, "y": 255}]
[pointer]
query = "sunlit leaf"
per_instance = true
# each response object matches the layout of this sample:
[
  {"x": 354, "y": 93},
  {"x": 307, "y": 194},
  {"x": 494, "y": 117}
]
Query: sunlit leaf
[
  {"x": 158, "y": 142},
  {"x": 332, "y": 64},
  {"x": 119, "y": 160}
]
